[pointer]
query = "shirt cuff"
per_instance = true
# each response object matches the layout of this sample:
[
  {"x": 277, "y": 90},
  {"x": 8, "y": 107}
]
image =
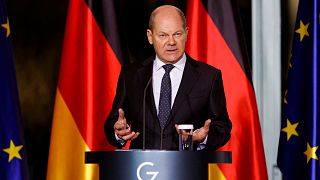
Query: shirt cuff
[
  {"x": 202, "y": 145},
  {"x": 121, "y": 141}
]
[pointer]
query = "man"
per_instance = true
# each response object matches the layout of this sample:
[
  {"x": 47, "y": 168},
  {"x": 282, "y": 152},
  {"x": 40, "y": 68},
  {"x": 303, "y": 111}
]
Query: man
[{"x": 178, "y": 90}]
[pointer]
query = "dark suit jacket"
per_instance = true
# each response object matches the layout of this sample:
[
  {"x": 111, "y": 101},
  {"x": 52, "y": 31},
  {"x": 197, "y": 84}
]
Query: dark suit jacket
[{"x": 200, "y": 96}]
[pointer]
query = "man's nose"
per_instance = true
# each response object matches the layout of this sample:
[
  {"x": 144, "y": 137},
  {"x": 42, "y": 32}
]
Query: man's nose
[{"x": 172, "y": 40}]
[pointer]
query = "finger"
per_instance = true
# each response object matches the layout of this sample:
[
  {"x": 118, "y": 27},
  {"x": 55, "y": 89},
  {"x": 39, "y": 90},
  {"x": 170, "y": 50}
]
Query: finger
[
  {"x": 119, "y": 125},
  {"x": 121, "y": 114},
  {"x": 207, "y": 123},
  {"x": 135, "y": 135},
  {"x": 129, "y": 136},
  {"x": 196, "y": 131},
  {"x": 176, "y": 126},
  {"x": 199, "y": 137},
  {"x": 183, "y": 132},
  {"x": 122, "y": 122},
  {"x": 124, "y": 132},
  {"x": 178, "y": 130}
]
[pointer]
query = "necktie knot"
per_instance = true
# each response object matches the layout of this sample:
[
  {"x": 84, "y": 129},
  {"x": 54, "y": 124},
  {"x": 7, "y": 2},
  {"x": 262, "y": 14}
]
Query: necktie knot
[{"x": 168, "y": 67}]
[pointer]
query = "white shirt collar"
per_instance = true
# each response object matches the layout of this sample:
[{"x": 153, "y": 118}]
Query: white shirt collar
[{"x": 179, "y": 65}]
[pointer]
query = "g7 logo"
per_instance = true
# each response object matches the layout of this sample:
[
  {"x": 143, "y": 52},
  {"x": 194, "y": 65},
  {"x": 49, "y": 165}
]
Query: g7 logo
[{"x": 153, "y": 173}]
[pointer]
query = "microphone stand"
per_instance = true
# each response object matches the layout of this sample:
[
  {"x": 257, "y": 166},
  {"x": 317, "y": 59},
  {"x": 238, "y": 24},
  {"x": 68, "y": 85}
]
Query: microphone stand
[{"x": 144, "y": 114}]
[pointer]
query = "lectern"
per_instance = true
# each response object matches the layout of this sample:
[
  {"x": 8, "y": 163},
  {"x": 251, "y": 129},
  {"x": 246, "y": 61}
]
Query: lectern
[{"x": 162, "y": 165}]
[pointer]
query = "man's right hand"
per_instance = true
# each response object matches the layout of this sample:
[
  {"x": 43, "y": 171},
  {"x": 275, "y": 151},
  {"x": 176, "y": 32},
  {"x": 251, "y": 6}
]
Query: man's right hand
[{"x": 121, "y": 129}]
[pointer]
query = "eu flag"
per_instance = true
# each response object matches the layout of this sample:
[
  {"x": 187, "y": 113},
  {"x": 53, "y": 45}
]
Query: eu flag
[
  {"x": 298, "y": 153},
  {"x": 12, "y": 148}
]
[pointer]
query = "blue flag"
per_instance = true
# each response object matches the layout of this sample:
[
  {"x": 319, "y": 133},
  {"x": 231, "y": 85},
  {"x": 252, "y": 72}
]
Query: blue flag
[
  {"x": 12, "y": 148},
  {"x": 298, "y": 153}
]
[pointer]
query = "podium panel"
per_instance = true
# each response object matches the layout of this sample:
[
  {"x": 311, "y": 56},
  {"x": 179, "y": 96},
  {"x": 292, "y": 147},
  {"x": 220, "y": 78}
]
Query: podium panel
[{"x": 153, "y": 165}]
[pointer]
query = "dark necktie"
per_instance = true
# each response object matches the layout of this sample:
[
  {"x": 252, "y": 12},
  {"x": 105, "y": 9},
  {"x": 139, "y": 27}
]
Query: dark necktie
[{"x": 165, "y": 96}]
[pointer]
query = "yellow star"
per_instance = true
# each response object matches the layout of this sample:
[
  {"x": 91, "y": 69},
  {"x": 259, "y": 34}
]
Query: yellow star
[
  {"x": 303, "y": 30},
  {"x": 7, "y": 27},
  {"x": 13, "y": 151},
  {"x": 290, "y": 129},
  {"x": 311, "y": 152},
  {"x": 285, "y": 97}
]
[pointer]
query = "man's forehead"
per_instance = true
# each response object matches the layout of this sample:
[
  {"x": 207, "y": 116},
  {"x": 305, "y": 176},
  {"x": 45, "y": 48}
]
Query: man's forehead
[
  {"x": 168, "y": 20},
  {"x": 166, "y": 13},
  {"x": 168, "y": 27}
]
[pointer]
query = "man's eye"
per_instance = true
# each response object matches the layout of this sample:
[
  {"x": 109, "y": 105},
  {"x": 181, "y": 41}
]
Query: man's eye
[
  {"x": 162, "y": 35},
  {"x": 178, "y": 34}
]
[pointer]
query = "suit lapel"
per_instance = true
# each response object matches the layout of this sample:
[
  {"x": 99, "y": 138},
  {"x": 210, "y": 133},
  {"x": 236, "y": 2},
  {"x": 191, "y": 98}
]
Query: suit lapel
[{"x": 189, "y": 77}]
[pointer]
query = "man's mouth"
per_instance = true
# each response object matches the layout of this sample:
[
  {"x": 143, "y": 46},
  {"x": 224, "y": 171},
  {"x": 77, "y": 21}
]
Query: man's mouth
[{"x": 172, "y": 50}]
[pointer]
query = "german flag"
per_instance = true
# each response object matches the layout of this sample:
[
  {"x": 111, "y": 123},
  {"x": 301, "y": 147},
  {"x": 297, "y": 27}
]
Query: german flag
[
  {"x": 90, "y": 66},
  {"x": 214, "y": 38}
]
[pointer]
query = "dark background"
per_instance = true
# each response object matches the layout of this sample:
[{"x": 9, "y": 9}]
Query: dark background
[{"x": 37, "y": 28}]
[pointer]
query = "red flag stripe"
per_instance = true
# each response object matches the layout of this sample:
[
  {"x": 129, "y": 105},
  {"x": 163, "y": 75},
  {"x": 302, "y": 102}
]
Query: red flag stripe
[
  {"x": 88, "y": 74},
  {"x": 225, "y": 16},
  {"x": 106, "y": 14},
  {"x": 206, "y": 43}
]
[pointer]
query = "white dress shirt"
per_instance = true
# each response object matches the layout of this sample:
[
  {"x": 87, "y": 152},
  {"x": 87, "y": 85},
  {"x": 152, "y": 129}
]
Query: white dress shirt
[{"x": 175, "y": 76}]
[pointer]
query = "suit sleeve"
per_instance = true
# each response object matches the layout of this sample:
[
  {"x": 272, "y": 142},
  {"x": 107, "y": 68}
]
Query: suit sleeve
[
  {"x": 118, "y": 102},
  {"x": 220, "y": 128}
]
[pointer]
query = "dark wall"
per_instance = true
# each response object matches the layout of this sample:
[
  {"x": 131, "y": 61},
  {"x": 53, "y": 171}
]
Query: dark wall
[
  {"x": 288, "y": 14},
  {"x": 37, "y": 31}
]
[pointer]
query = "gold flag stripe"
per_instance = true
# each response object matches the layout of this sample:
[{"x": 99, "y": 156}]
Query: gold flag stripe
[{"x": 67, "y": 147}]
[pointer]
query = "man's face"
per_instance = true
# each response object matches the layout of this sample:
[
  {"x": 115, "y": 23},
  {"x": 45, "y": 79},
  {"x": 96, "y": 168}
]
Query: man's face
[{"x": 168, "y": 36}]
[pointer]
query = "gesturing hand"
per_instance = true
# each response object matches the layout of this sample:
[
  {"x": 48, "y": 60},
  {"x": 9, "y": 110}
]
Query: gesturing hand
[
  {"x": 200, "y": 134},
  {"x": 121, "y": 130}
]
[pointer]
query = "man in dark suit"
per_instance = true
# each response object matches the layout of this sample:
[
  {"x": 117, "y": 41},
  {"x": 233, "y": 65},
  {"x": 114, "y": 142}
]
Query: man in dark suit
[{"x": 177, "y": 89}]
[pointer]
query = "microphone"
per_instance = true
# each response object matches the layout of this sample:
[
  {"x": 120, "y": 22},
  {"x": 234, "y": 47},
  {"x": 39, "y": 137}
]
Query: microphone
[{"x": 144, "y": 114}]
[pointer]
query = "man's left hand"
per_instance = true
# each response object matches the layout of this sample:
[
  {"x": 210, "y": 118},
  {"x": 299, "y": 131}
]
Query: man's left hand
[{"x": 200, "y": 134}]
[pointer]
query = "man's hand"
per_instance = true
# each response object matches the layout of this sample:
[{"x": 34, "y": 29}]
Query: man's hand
[
  {"x": 200, "y": 134},
  {"x": 121, "y": 130}
]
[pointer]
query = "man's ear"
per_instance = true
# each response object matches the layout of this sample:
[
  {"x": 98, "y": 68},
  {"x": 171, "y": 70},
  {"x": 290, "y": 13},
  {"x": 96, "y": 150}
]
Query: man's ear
[{"x": 149, "y": 35}]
